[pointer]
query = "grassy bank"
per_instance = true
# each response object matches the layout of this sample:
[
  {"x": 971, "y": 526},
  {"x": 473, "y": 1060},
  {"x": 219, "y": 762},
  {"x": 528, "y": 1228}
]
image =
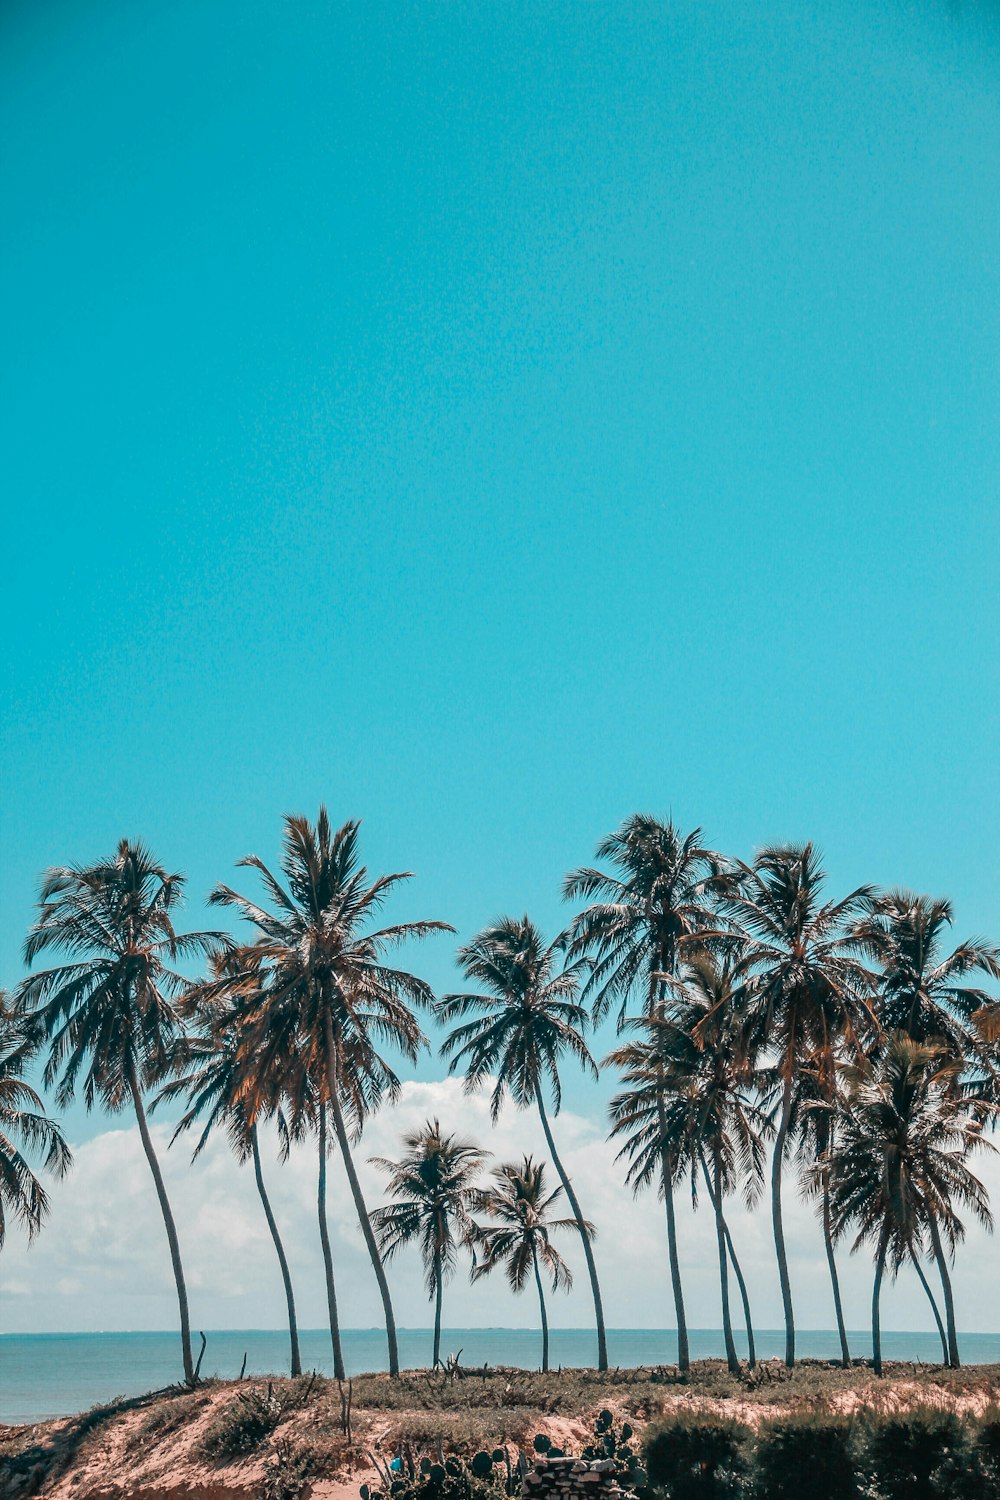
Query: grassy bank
[{"x": 224, "y": 1437}]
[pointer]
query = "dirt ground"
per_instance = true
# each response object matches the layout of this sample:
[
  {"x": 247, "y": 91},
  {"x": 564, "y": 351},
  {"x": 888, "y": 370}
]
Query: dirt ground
[{"x": 202, "y": 1445}]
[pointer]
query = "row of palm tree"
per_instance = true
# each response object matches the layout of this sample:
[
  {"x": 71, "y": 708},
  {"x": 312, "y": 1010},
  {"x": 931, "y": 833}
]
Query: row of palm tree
[{"x": 759, "y": 1018}]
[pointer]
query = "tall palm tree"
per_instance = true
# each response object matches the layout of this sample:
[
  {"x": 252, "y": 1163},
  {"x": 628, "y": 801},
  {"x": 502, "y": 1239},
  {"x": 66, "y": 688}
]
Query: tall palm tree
[
  {"x": 212, "y": 1070},
  {"x": 520, "y": 1238},
  {"x": 801, "y": 989},
  {"x": 899, "y": 1170},
  {"x": 923, "y": 989},
  {"x": 434, "y": 1187},
  {"x": 328, "y": 995},
  {"x": 662, "y": 890},
  {"x": 525, "y": 1018},
  {"x": 25, "y": 1129},
  {"x": 697, "y": 1085},
  {"x": 816, "y": 1105},
  {"x": 108, "y": 1008}
]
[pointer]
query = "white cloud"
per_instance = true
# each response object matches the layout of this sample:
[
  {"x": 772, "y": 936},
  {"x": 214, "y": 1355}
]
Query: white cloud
[{"x": 101, "y": 1261}]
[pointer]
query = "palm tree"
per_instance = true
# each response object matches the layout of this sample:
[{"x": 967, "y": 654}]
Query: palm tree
[
  {"x": 661, "y": 893},
  {"x": 327, "y": 993},
  {"x": 696, "y": 1086},
  {"x": 801, "y": 989},
  {"x": 213, "y": 1078},
  {"x": 923, "y": 989},
  {"x": 519, "y": 1240},
  {"x": 434, "y": 1186},
  {"x": 524, "y": 1020},
  {"x": 816, "y": 1104},
  {"x": 109, "y": 1007},
  {"x": 899, "y": 1166},
  {"x": 24, "y": 1128}
]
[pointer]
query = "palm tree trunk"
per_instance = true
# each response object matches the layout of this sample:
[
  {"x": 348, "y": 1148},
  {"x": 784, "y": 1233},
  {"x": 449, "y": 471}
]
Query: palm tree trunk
[
  {"x": 949, "y": 1300},
  {"x": 720, "y": 1237},
  {"x": 438, "y": 1292},
  {"x": 272, "y": 1224},
  {"x": 741, "y": 1283},
  {"x": 602, "y": 1338},
  {"x": 831, "y": 1260},
  {"x": 883, "y": 1245},
  {"x": 779, "y": 1229},
  {"x": 934, "y": 1309},
  {"x": 168, "y": 1220},
  {"x": 339, "y": 1372},
  {"x": 541, "y": 1309},
  {"x": 359, "y": 1201},
  {"x": 683, "y": 1352}
]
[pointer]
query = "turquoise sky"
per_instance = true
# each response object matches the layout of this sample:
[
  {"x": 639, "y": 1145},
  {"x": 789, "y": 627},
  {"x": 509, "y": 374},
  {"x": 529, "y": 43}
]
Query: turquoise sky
[{"x": 493, "y": 419}]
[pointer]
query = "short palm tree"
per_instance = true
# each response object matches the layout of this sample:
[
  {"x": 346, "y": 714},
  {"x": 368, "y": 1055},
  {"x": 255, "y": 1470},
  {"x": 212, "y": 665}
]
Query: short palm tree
[
  {"x": 213, "y": 1070},
  {"x": 434, "y": 1185},
  {"x": 661, "y": 891},
  {"x": 109, "y": 1008},
  {"x": 802, "y": 989},
  {"x": 327, "y": 994},
  {"x": 899, "y": 1169},
  {"x": 26, "y": 1131},
  {"x": 526, "y": 1018},
  {"x": 520, "y": 1240}
]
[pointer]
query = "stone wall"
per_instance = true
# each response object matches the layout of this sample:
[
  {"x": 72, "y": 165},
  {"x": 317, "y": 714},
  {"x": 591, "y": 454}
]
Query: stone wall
[{"x": 571, "y": 1479}]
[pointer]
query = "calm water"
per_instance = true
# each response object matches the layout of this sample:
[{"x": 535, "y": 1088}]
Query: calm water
[{"x": 54, "y": 1374}]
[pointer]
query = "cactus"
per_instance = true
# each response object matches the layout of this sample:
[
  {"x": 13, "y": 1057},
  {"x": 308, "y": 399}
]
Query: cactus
[
  {"x": 482, "y": 1465},
  {"x": 437, "y": 1474},
  {"x": 541, "y": 1443},
  {"x": 499, "y": 1454}
]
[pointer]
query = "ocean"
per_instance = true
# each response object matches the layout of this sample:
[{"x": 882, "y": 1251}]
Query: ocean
[{"x": 58, "y": 1374}]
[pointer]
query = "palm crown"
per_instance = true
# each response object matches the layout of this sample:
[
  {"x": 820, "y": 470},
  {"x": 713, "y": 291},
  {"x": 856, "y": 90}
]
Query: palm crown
[{"x": 26, "y": 1132}]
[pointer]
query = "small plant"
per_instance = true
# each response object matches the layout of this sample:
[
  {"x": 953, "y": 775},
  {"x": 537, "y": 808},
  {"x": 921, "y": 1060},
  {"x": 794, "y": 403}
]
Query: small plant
[
  {"x": 615, "y": 1443},
  {"x": 454, "y": 1479},
  {"x": 240, "y": 1426},
  {"x": 808, "y": 1450},
  {"x": 923, "y": 1454},
  {"x": 695, "y": 1456}
]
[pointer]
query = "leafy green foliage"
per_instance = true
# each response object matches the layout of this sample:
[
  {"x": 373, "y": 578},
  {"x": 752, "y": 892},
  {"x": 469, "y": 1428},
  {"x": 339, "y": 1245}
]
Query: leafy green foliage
[
  {"x": 808, "y": 1446},
  {"x": 923, "y": 1454},
  {"x": 697, "y": 1456}
]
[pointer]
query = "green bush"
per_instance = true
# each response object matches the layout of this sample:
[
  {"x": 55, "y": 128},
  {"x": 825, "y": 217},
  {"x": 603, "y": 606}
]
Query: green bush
[
  {"x": 922, "y": 1454},
  {"x": 811, "y": 1452},
  {"x": 988, "y": 1446},
  {"x": 695, "y": 1456}
]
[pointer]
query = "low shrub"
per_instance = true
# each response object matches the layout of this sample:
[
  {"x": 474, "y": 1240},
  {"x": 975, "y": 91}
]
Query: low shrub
[
  {"x": 240, "y": 1426},
  {"x": 921, "y": 1454},
  {"x": 697, "y": 1456},
  {"x": 811, "y": 1451}
]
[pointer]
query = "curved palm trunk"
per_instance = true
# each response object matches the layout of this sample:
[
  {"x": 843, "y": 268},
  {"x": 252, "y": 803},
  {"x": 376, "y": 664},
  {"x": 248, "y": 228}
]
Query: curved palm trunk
[
  {"x": 934, "y": 1309},
  {"x": 272, "y": 1224},
  {"x": 831, "y": 1260},
  {"x": 438, "y": 1294},
  {"x": 339, "y": 1372},
  {"x": 683, "y": 1352},
  {"x": 949, "y": 1300},
  {"x": 541, "y": 1310},
  {"x": 779, "y": 1229},
  {"x": 738, "y": 1270},
  {"x": 168, "y": 1220},
  {"x": 602, "y": 1338},
  {"x": 720, "y": 1239},
  {"x": 359, "y": 1201},
  {"x": 876, "y": 1295}
]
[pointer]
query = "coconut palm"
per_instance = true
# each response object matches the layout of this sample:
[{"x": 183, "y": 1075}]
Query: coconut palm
[
  {"x": 698, "y": 1087},
  {"x": 525, "y": 1018},
  {"x": 802, "y": 989},
  {"x": 328, "y": 995},
  {"x": 212, "y": 1068},
  {"x": 109, "y": 1008},
  {"x": 434, "y": 1187},
  {"x": 661, "y": 891},
  {"x": 26, "y": 1132},
  {"x": 923, "y": 989},
  {"x": 520, "y": 1239},
  {"x": 816, "y": 1104},
  {"x": 898, "y": 1172}
]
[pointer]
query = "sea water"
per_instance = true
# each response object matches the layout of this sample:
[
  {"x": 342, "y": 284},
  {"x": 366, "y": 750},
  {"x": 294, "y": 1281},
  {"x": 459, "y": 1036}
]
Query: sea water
[{"x": 57, "y": 1374}]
